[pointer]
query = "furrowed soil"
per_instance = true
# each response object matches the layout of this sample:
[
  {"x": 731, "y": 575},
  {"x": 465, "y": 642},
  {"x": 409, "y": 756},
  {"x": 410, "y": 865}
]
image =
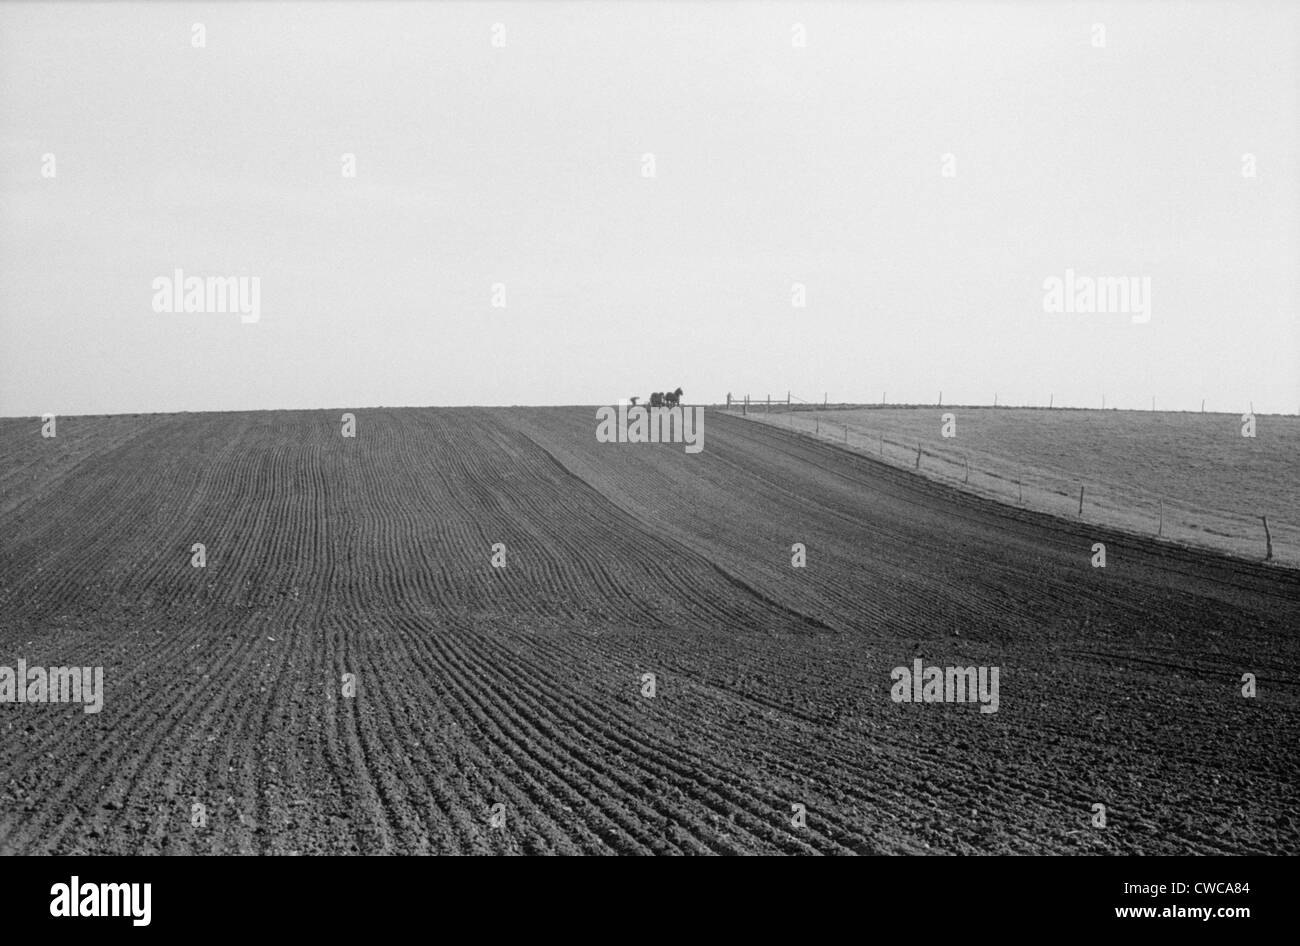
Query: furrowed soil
[{"x": 523, "y": 686}]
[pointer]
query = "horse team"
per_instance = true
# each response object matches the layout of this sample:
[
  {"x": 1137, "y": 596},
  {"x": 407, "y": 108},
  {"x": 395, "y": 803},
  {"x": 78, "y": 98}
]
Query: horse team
[{"x": 662, "y": 399}]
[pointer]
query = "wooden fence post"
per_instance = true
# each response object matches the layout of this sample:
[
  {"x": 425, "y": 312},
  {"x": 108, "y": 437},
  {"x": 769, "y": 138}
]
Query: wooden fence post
[
  {"x": 1161, "y": 530},
  {"x": 1081, "y": 500},
  {"x": 918, "y": 456},
  {"x": 1020, "y": 489},
  {"x": 1268, "y": 537},
  {"x": 967, "y": 461}
]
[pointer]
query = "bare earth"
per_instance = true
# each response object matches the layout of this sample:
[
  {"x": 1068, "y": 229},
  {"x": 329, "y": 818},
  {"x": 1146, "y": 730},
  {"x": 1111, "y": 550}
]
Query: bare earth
[{"x": 522, "y": 686}]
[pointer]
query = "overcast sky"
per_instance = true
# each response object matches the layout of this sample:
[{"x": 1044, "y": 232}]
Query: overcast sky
[{"x": 522, "y": 164}]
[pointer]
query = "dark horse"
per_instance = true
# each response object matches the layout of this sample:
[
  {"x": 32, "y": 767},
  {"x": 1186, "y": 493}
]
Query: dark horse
[{"x": 671, "y": 399}]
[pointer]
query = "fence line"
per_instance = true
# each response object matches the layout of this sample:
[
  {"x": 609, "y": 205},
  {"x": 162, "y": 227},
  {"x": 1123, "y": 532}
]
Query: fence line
[
  {"x": 1126, "y": 509},
  {"x": 793, "y": 402}
]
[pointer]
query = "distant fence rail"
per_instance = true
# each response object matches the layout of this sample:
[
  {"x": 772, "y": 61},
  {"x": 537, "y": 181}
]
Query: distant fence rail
[{"x": 1248, "y": 535}]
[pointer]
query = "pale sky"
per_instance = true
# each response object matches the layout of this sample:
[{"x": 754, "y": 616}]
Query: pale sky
[{"x": 522, "y": 165}]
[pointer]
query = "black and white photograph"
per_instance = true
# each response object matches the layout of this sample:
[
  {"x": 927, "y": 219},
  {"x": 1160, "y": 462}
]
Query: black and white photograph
[{"x": 647, "y": 427}]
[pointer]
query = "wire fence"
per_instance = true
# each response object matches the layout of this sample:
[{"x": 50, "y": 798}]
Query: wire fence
[{"x": 1248, "y": 534}]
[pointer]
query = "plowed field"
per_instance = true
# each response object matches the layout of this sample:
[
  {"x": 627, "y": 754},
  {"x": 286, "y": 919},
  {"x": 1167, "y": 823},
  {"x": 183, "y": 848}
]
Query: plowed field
[{"x": 522, "y": 686}]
